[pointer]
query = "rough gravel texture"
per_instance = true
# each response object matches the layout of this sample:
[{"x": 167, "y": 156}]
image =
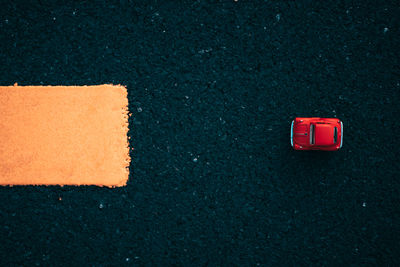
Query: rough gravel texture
[{"x": 213, "y": 88}]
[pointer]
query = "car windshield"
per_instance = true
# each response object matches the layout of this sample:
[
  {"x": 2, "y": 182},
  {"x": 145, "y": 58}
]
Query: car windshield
[
  {"x": 335, "y": 135},
  {"x": 312, "y": 138}
]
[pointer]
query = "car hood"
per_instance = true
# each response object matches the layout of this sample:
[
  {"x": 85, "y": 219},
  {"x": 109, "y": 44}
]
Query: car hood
[{"x": 324, "y": 134}]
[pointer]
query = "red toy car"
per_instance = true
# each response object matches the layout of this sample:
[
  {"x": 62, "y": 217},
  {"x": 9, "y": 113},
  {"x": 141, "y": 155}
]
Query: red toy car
[{"x": 316, "y": 134}]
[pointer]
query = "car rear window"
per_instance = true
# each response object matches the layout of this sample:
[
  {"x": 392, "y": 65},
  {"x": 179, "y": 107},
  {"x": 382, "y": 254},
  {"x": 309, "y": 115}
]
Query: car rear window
[{"x": 312, "y": 135}]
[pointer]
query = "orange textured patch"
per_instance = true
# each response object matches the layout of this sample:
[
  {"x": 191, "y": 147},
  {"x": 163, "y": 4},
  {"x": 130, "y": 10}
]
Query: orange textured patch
[{"x": 64, "y": 135}]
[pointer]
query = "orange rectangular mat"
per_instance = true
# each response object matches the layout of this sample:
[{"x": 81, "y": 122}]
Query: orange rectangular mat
[{"x": 64, "y": 135}]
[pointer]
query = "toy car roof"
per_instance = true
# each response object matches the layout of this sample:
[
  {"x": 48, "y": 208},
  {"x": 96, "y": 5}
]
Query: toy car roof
[{"x": 324, "y": 135}]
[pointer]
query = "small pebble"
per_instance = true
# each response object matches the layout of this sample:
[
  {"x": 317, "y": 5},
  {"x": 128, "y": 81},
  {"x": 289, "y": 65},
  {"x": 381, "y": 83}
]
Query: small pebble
[{"x": 385, "y": 30}]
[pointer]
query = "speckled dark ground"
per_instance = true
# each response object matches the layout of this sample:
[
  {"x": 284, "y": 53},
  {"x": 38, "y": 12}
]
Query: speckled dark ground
[{"x": 212, "y": 90}]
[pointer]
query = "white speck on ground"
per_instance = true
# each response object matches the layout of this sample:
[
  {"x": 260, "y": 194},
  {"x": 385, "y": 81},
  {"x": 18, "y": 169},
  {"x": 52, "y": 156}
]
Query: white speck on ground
[{"x": 202, "y": 51}]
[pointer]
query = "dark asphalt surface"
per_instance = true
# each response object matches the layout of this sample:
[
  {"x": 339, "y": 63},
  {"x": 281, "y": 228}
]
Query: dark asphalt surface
[{"x": 213, "y": 88}]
